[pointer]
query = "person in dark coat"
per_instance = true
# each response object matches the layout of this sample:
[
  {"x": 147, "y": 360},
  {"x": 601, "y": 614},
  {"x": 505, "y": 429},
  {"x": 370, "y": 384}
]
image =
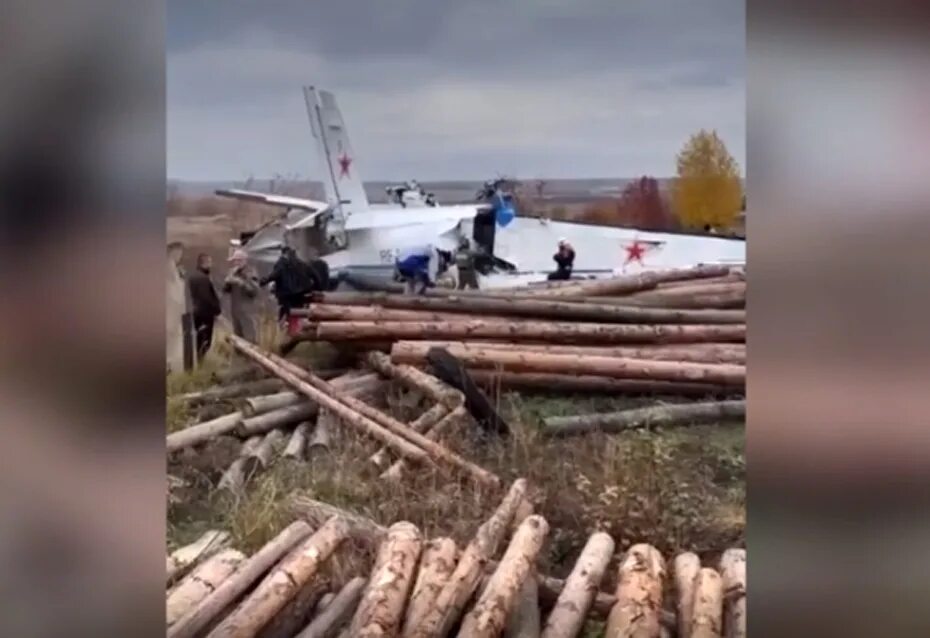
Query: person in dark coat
[
  {"x": 565, "y": 261},
  {"x": 206, "y": 303},
  {"x": 293, "y": 280}
]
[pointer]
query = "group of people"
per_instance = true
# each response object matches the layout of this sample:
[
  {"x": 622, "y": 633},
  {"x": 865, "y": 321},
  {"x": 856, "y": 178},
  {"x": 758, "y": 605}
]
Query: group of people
[
  {"x": 420, "y": 267},
  {"x": 292, "y": 280}
]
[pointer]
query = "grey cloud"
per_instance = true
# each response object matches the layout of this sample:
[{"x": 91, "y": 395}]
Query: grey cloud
[{"x": 456, "y": 88}]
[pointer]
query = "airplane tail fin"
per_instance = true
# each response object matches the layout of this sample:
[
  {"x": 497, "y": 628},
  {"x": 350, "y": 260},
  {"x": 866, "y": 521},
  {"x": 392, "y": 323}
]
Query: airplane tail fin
[{"x": 341, "y": 181}]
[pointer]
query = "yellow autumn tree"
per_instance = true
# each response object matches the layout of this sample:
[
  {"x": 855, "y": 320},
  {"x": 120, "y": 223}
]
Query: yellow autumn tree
[{"x": 707, "y": 189}]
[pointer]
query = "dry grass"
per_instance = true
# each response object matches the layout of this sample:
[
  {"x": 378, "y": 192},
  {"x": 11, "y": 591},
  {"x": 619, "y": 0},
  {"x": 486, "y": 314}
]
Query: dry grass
[{"x": 678, "y": 489}]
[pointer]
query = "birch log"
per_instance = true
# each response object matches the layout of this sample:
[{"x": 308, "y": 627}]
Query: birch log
[
  {"x": 436, "y": 566},
  {"x": 330, "y": 620},
  {"x": 223, "y": 392},
  {"x": 381, "y": 609},
  {"x": 685, "y": 569},
  {"x": 639, "y": 595},
  {"x": 488, "y": 618},
  {"x": 656, "y": 415},
  {"x": 461, "y": 586},
  {"x": 733, "y": 572},
  {"x": 200, "y": 583},
  {"x": 183, "y": 558},
  {"x": 706, "y": 619},
  {"x": 274, "y": 592},
  {"x": 233, "y": 587},
  {"x": 568, "y": 615},
  {"x": 279, "y": 418}
]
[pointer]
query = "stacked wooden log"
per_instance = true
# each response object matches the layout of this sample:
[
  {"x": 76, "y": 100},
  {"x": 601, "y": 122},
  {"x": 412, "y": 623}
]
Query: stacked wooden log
[
  {"x": 420, "y": 587},
  {"x": 670, "y": 332}
]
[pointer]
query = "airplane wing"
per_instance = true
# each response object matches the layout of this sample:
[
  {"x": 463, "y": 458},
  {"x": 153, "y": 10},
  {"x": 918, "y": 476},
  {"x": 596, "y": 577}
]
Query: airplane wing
[{"x": 284, "y": 201}]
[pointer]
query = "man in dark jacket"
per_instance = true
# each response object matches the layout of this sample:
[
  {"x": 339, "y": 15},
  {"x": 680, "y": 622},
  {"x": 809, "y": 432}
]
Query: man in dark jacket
[
  {"x": 565, "y": 260},
  {"x": 206, "y": 304},
  {"x": 293, "y": 280}
]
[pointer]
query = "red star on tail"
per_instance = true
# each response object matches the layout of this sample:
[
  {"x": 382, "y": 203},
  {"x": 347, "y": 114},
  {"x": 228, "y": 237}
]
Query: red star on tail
[{"x": 344, "y": 162}]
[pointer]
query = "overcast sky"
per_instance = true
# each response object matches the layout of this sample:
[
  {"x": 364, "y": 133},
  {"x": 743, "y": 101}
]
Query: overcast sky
[{"x": 464, "y": 89}]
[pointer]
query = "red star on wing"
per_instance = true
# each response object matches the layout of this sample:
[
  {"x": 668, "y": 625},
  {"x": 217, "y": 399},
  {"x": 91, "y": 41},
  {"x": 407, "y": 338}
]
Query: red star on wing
[
  {"x": 344, "y": 162},
  {"x": 634, "y": 252}
]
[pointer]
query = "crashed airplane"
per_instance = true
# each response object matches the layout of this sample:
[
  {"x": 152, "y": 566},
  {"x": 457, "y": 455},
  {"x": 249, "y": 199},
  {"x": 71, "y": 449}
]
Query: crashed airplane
[{"x": 355, "y": 236}]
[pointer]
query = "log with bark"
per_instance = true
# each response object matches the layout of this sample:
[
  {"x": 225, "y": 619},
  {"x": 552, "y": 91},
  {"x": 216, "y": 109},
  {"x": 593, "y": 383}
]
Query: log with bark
[
  {"x": 333, "y": 312},
  {"x": 639, "y": 595},
  {"x": 652, "y": 416},
  {"x": 564, "y": 333},
  {"x": 614, "y": 367},
  {"x": 461, "y": 585},
  {"x": 271, "y": 595},
  {"x": 297, "y": 443},
  {"x": 457, "y": 308},
  {"x": 436, "y": 566},
  {"x": 322, "y": 437},
  {"x": 523, "y": 620},
  {"x": 181, "y": 560},
  {"x": 627, "y": 284},
  {"x": 488, "y": 617},
  {"x": 416, "y": 379},
  {"x": 398, "y": 436},
  {"x": 199, "y": 583},
  {"x": 568, "y": 615},
  {"x": 733, "y": 573},
  {"x": 568, "y": 384},
  {"x": 696, "y": 290},
  {"x": 685, "y": 569},
  {"x": 192, "y": 623},
  {"x": 337, "y": 613},
  {"x": 734, "y": 299},
  {"x": 706, "y": 619},
  {"x": 414, "y": 352},
  {"x": 381, "y": 609}
]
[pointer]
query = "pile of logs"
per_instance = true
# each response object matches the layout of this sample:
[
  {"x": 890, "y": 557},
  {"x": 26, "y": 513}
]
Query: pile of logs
[
  {"x": 305, "y": 417},
  {"x": 677, "y": 332},
  {"x": 432, "y": 588}
]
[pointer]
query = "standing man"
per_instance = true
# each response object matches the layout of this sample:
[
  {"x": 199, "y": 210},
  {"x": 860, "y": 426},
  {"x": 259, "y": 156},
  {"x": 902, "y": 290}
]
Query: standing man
[
  {"x": 465, "y": 264},
  {"x": 420, "y": 267},
  {"x": 179, "y": 331},
  {"x": 241, "y": 284},
  {"x": 206, "y": 303},
  {"x": 565, "y": 261},
  {"x": 293, "y": 280}
]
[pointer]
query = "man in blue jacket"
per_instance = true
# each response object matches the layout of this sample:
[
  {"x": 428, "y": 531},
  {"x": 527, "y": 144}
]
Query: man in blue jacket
[{"x": 419, "y": 267}]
